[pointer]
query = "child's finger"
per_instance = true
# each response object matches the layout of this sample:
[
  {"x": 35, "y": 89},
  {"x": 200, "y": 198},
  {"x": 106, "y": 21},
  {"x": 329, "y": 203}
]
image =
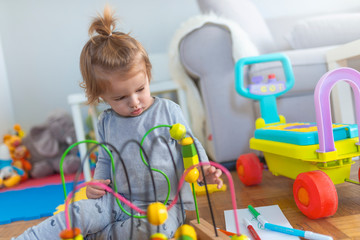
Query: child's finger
[
  {"x": 92, "y": 192},
  {"x": 219, "y": 183},
  {"x": 105, "y": 182},
  {"x": 98, "y": 192},
  {"x": 218, "y": 173},
  {"x": 96, "y": 187},
  {"x": 211, "y": 170}
]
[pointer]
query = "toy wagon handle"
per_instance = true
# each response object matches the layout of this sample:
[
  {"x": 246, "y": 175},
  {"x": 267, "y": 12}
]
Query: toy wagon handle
[
  {"x": 239, "y": 76},
  {"x": 322, "y": 104}
]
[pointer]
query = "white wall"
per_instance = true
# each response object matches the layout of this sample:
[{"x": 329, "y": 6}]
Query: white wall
[
  {"x": 284, "y": 8},
  {"x": 42, "y": 41},
  {"x": 6, "y": 108}
]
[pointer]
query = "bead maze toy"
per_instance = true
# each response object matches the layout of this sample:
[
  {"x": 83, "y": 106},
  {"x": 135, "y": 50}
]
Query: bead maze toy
[
  {"x": 157, "y": 212},
  {"x": 317, "y": 155}
]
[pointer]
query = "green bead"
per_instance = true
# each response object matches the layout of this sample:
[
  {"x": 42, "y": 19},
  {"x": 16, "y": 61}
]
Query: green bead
[
  {"x": 184, "y": 238},
  {"x": 188, "y": 151}
]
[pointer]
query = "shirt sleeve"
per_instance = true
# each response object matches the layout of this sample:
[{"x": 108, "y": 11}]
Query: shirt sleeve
[{"x": 103, "y": 164}]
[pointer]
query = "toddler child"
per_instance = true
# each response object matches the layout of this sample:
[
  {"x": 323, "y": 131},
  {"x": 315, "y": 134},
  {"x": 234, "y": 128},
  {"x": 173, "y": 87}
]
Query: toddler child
[{"x": 116, "y": 68}]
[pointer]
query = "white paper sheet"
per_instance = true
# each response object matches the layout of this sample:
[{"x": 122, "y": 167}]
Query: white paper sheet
[{"x": 272, "y": 214}]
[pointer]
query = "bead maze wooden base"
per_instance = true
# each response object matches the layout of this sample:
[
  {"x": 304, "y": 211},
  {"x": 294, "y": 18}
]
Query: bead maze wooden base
[{"x": 205, "y": 230}]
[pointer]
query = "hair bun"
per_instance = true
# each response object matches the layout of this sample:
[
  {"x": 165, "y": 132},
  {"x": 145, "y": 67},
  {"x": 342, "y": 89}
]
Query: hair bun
[{"x": 103, "y": 25}]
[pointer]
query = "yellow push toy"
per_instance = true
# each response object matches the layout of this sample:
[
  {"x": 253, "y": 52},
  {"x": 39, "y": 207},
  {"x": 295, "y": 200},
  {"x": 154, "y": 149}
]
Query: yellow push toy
[{"x": 317, "y": 155}]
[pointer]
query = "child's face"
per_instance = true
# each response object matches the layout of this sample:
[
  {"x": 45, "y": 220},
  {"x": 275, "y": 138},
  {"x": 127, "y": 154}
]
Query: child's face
[{"x": 129, "y": 96}]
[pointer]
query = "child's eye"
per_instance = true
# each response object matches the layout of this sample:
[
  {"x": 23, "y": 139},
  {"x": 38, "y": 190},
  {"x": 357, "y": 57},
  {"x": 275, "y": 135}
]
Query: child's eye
[
  {"x": 140, "y": 89},
  {"x": 119, "y": 99}
]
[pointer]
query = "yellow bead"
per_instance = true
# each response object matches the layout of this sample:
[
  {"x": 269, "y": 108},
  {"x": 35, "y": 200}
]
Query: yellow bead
[
  {"x": 79, "y": 237},
  {"x": 157, "y": 213},
  {"x": 192, "y": 176},
  {"x": 185, "y": 230},
  {"x": 177, "y": 131},
  {"x": 158, "y": 236},
  {"x": 242, "y": 237},
  {"x": 187, "y": 141}
]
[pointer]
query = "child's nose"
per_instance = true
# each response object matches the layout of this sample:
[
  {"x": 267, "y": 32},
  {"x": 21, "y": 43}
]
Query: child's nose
[{"x": 134, "y": 101}]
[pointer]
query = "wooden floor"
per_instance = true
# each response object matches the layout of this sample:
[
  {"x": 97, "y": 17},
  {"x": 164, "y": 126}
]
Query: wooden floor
[{"x": 345, "y": 224}]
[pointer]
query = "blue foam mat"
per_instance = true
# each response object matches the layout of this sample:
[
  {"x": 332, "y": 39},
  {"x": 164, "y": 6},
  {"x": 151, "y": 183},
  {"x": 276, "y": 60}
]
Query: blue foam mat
[{"x": 31, "y": 203}]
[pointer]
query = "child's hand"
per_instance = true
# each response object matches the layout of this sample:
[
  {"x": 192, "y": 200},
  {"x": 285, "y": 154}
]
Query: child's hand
[
  {"x": 212, "y": 175},
  {"x": 93, "y": 191}
]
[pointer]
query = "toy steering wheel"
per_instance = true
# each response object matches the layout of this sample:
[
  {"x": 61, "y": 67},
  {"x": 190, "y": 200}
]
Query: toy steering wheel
[{"x": 265, "y": 93}]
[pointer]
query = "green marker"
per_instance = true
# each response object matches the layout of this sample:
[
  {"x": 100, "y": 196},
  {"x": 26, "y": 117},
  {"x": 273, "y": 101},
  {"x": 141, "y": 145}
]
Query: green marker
[
  {"x": 253, "y": 211},
  {"x": 286, "y": 230},
  {"x": 257, "y": 215}
]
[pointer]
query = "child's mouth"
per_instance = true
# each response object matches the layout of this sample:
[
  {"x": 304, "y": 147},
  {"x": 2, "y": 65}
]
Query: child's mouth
[{"x": 136, "y": 112}]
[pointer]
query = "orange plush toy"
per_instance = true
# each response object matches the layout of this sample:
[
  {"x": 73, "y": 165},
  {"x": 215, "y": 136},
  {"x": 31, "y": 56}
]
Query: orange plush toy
[{"x": 20, "y": 156}]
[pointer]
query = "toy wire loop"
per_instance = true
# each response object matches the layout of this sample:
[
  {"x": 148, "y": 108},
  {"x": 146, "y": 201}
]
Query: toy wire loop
[
  {"x": 181, "y": 182},
  {"x": 119, "y": 198}
]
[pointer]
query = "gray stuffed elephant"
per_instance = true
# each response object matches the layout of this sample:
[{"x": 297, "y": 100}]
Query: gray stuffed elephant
[{"x": 47, "y": 143}]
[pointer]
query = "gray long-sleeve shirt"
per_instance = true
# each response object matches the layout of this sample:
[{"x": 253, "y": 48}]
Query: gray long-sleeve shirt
[{"x": 119, "y": 130}]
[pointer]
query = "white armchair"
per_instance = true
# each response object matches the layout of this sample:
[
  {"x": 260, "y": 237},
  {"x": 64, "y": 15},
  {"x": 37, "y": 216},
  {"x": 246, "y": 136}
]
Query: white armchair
[{"x": 205, "y": 48}]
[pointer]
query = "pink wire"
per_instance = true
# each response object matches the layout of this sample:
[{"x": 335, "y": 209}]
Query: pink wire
[
  {"x": 181, "y": 182},
  {"x": 231, "y": 183},
  {"x": 105, "y": 187}
]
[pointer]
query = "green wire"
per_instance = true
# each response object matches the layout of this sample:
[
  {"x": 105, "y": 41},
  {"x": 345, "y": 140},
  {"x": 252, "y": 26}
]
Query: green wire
[
  {"x": 112, "y": 167},
  {"x": 113, "y": 171},
  {"x": 195, "y": 201},
  {"x": 167, "y": 179},
  {"x": 154, "y": 169}
]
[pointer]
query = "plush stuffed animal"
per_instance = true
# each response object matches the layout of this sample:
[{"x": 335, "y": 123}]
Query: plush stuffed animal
[
  {"x": 12, "y": 142},
  {"x": 9, "y": 175},
  {"x": 18, "y": 152},
  {"x": 47, "y": 143},
  {"x": 20, "y": 160}
]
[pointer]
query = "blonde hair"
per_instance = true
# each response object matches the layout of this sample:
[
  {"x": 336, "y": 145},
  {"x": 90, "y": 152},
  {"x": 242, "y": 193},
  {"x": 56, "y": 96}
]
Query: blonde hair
[{"x": 108, "y": 50}]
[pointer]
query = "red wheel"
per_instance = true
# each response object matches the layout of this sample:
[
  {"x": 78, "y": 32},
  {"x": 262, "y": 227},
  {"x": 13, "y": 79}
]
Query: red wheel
[
  {"x": 249, "y": 169},
  {"x": 315, "y": 194}
]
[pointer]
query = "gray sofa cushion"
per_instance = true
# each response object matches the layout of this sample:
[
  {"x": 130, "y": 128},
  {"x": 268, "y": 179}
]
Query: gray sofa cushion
[{"x": 320, "y": 31}]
